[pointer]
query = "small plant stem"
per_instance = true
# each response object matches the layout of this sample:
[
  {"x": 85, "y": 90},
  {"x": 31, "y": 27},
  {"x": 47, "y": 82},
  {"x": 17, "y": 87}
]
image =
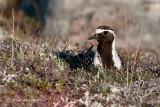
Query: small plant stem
[{"x": 12, "y": 36}]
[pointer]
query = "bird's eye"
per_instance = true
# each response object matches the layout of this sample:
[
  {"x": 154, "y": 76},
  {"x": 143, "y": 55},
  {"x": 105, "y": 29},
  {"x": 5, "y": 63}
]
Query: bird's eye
[{"x": 106, "y": 32}]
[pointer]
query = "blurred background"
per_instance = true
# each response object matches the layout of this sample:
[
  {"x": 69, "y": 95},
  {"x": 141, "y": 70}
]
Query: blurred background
[{"x": 136, "y": 21}]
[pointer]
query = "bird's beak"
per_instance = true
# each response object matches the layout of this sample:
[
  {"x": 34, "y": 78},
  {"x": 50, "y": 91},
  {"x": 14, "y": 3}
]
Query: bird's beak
[{"x": 92, "y": 37}]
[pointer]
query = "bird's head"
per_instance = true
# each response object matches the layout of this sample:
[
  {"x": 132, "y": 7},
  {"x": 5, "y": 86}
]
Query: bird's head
[{"x": 103, "y": 34}]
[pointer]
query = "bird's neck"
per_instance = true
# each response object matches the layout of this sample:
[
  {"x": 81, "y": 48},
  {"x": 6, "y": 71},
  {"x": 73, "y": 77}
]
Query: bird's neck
[
  {"x": 105, "y": 52},
  {"x": 109, "y": 55}
]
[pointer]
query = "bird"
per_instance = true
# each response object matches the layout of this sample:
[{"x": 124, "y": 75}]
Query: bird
[{"x": 105, "y": 55}]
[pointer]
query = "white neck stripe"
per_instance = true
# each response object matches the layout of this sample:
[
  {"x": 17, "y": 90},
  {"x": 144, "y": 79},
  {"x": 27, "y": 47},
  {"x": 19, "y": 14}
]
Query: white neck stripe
[{"x": 103, "y": 30}]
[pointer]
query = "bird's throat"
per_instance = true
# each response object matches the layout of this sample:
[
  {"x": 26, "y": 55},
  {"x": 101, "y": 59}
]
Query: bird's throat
[{"x": 105, "y": 52}]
